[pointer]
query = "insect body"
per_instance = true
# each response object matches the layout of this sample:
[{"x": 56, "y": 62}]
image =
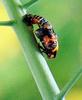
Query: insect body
[{"x": 45, "y": 33}]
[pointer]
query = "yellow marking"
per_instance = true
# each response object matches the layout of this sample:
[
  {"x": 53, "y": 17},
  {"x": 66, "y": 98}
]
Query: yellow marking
[
  {"x": 55, "y": 49},
  {"x": 51, "y": 56}
]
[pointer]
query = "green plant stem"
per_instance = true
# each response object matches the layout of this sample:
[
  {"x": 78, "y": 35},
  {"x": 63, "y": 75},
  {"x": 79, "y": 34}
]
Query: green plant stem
[
  {"x": 71, "y": 83},
  {"x": 45, "y": 82},
  {"x": 7, "y": 23},
  {"x": 28, "y": 4}
]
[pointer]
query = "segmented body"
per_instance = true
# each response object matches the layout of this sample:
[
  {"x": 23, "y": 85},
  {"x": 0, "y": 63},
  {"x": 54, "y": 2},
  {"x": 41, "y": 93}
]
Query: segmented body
[{"x": 45, "y": 33}]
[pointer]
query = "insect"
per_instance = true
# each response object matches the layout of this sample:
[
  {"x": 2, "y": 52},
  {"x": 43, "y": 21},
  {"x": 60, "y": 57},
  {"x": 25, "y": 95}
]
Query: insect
[{"x": 45, "y": 33}]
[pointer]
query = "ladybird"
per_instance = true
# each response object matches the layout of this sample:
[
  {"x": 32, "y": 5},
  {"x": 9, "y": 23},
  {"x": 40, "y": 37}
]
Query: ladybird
[{"x": 45, "y": 33}]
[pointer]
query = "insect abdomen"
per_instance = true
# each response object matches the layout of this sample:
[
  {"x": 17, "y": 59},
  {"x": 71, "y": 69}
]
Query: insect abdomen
[{"x": 38, "y": 20}]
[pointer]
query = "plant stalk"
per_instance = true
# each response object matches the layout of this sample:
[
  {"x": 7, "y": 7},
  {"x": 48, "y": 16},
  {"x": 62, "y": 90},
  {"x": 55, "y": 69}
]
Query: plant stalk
[
  {"x": 71, "y": 83},
  {"x": 38, "y": 66},
  {"x": 7, "y": 23},
  {"x": 28, "y": 4}
]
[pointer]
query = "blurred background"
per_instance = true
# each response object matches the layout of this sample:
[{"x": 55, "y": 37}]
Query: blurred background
[{"x": 16, "y": 81}]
